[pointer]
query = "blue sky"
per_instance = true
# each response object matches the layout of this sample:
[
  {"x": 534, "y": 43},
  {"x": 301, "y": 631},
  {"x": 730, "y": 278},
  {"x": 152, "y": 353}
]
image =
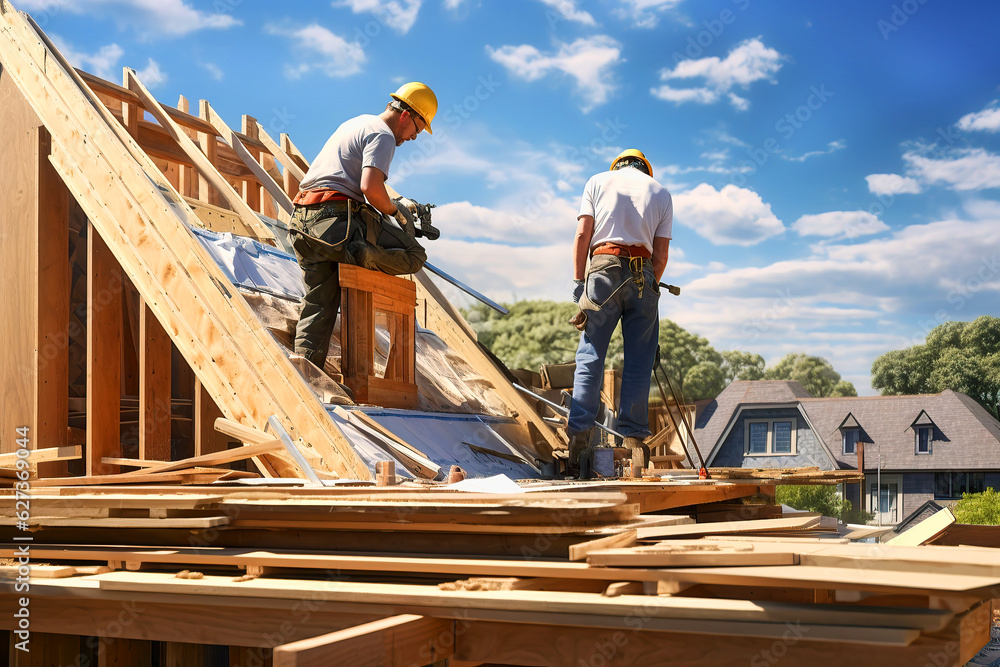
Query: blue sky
[{"x": 835, "y": 166}]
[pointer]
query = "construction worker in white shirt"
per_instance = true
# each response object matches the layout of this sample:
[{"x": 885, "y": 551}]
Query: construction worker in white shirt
[
  {"x": 344, "y": 214},
  {"x": 624, "y": 229}
]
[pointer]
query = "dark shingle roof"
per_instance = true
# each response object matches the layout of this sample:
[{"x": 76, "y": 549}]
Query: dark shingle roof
[{"x": 971, "y": 436}]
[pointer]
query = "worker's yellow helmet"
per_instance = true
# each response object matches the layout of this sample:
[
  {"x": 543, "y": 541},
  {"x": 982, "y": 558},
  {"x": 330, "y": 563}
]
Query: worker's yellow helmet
[
  {"x": 420, "y": 98},
  {"x": 634, "y": 153}
]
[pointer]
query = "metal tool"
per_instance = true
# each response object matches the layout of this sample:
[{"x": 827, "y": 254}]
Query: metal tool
[
  {"x": 563, "y": 411},
  {"x": 673, "y": 289},
  {"x": 465, "y": 288},
  {"x": 293, "y": 451}
]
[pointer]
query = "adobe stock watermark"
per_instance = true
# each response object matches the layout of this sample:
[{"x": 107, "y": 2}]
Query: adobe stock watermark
[
  {"x": 899, "y": 15},
  {"x": 712, "y": 29},
  {"x": 786, "y": 126}
]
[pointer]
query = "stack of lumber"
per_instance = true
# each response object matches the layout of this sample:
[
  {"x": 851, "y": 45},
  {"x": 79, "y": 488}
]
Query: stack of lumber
[{"x": 532, "y": 578}]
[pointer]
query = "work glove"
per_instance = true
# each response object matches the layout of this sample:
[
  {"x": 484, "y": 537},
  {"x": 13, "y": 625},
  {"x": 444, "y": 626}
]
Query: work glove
[
  {"x": 578, "y": 287},
  {"x": 404, "y": 216}
]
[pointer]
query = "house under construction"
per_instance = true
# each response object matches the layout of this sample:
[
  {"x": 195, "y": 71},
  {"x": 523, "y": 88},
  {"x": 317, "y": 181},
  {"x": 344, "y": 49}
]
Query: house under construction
[{"x": 182, "y": 491}]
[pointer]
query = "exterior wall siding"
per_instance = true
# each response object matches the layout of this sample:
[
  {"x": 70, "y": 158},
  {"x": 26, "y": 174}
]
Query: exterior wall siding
[{"x": 809, "y": 452}]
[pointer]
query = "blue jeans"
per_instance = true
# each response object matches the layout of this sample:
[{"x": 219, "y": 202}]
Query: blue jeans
[{"x": 640, "y": 330}]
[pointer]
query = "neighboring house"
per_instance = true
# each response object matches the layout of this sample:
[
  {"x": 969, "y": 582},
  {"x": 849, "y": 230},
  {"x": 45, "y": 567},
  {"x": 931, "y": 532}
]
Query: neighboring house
[{"x": 926, "y": 447}]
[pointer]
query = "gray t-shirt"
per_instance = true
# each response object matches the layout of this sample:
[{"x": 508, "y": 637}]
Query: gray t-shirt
[
  {"x": 365, "y": 141},
  {"x": 628, "y": 207}
]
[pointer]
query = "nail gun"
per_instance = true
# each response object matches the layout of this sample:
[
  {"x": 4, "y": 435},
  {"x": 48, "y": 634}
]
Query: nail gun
[{"x": 422, "y": 213}]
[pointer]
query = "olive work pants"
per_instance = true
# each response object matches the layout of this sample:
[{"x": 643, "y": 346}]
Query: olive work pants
[{"x": 364, "y": 241}]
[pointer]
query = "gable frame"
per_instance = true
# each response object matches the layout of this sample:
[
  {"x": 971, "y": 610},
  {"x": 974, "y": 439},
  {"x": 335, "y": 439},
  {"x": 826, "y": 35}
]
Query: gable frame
[{"x": 144, "y": 220}]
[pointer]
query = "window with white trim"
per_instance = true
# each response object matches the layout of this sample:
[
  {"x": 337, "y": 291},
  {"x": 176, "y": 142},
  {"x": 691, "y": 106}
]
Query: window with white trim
[
  {"x": 851, "y": 437},
  {"x": 769, "y": 437},
  {"x": 924, "y": 439}
]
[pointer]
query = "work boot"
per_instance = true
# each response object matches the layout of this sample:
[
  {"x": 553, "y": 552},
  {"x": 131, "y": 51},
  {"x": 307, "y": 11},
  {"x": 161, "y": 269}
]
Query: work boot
[{"x": 638, "y": 446}]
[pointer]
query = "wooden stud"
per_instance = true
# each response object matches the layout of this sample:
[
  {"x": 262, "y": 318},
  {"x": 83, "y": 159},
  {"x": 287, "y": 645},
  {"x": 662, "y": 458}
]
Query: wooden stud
[
  {"x": 154, "y": 387},
  {"x": 209, "y": 146},
  {"x": 104, "y": 340},
  {"x": 187, "y": 178}
]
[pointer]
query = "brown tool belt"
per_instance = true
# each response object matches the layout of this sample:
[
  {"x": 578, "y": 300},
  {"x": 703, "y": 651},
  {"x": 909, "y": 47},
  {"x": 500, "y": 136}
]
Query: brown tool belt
[
  {"x": 320, "y": 196},
  {"x": 622, "y": 250}
]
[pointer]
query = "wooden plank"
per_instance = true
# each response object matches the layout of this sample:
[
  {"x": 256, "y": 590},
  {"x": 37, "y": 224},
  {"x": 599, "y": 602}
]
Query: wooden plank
[
  {"x": 131, "y": 202},
  {"x": 398, "y": 640},
  {"x": 44, "y": 455},
  {"x": 121, "y": 522},
  {"x": 154, "y": 387},
  {"x": 708, "y": 616},
  {"x": 622, "y": 540},
  {"x": 498, "y": 643},
  {"x": 215, "y": 458},
  {"x": 196, "y": 476},
  {"x": 104, "y": 341},
  {"x": 724, "y": 527},
  {"x": 925, "y": 531},
  {"x": 243, "y": 433},
  {"x": 714, "y": 556}
]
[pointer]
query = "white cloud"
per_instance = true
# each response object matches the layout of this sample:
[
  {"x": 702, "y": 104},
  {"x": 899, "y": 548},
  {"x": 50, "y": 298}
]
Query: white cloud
[
  {"x": 322, "y": 50},
  {"x": 588, "y": 60},
  {"x": 103, "y": 63},
  {"x": 644, "y": 13},
  {"x": 151, "y": 75},
  {"x": 962, "y": 169},
  {"x": 567, "y": 9},
  {"x": 400, "y": 15},
  {"x": 151, "y": 18},
  {"x": 839, "y": 224},
  {"x": 831, "y": 147},
  {"x": 892, "y": 184},
  {"x": 987, "y": 120},
  {"x": 214, "y": 71},
  {"x": 732, "y": 216},
  {"x": 749, "y": 62}
]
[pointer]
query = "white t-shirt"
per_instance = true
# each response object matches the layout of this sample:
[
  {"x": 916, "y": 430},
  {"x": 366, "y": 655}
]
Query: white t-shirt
[
  {"x": 365, "y": 141},
  {"x": 628, "y": 207}
]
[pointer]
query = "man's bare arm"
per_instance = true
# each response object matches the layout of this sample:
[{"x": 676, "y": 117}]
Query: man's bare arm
[
  {"x": 661, "y": 249},
  {"x": 581, "y": 245},
  {"x": 373, "y": 187}
]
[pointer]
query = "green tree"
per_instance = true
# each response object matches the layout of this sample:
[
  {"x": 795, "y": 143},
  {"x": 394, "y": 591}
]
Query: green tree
[
  {"x": 961, "y": 356},
  {"x": 822, "y": 499},
  {"x": 815, "y": 373},
  {"x": 737, "y": 365},
  {"x": 534, "y": 333},
  {"x": 979, "y": 508}
]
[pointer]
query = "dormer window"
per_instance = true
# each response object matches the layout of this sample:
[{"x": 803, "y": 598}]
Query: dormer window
[{"x": 923, "y": 433}]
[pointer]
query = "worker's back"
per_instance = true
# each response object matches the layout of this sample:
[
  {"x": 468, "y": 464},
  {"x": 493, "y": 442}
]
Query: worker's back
[{"x": 628, "y": 207}]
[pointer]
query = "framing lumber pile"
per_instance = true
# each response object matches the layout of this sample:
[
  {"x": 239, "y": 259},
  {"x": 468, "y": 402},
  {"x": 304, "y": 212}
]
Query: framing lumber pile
[{"x": 558, "y": 573}]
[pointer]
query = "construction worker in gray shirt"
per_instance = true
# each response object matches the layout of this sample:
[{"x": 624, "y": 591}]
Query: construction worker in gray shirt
[
  {"x": 623, "y": 229},
  {"x": 344, "y": 214}
]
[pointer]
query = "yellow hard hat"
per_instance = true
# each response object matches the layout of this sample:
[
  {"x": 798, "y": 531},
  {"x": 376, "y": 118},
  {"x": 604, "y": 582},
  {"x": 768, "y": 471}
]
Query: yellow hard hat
[
  {"x": 420, "y": 98},
  {"x": 636, "y": 153}
]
